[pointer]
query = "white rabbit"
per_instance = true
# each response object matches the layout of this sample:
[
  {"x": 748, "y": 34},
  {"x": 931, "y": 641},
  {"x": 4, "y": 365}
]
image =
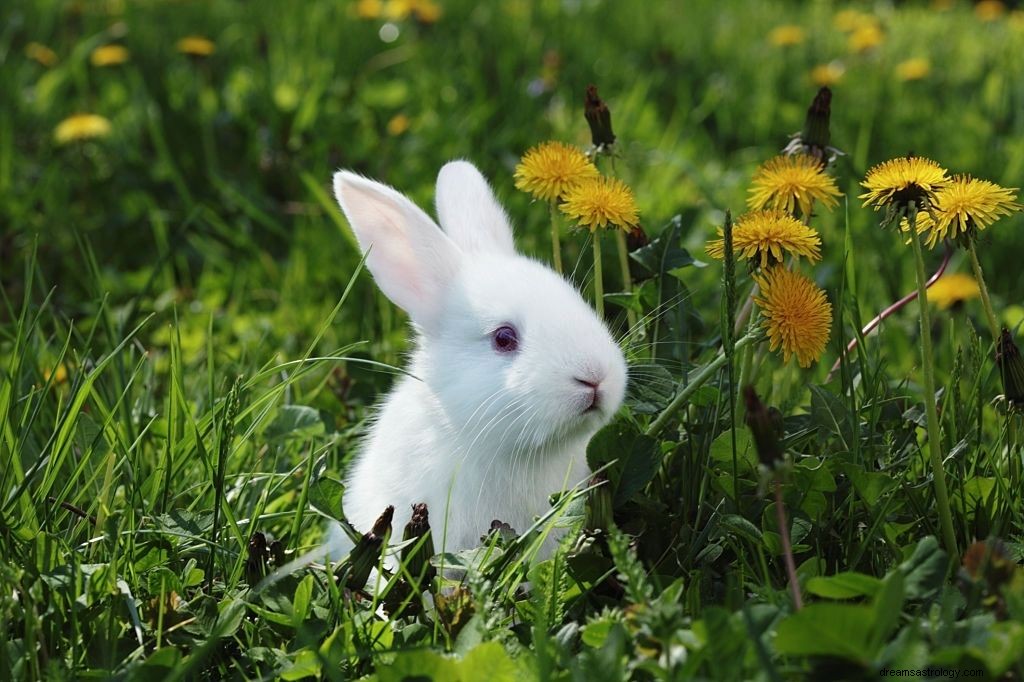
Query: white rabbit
[{"x": 511, "y": 376}]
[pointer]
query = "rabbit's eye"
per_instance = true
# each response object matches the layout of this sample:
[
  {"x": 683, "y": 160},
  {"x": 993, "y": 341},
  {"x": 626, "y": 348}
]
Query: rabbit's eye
[{"x": 505, "y": 339}]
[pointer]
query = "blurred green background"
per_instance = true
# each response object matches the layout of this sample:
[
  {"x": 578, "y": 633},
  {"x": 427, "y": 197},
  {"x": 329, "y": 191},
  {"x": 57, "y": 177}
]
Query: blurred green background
[{"x": 210, "y": 195}]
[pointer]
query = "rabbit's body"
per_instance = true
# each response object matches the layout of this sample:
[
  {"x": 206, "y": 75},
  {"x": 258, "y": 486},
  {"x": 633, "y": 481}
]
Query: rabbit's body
[{"x": 511, "y": 376}]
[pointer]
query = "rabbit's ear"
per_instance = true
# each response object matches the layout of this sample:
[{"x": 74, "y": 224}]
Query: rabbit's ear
[
  {"x": 468, "y": 211},
  {"x": 411, "y": 259}
]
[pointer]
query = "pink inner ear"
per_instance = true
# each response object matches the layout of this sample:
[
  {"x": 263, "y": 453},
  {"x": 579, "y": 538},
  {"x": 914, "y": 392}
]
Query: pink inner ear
[{"x": 410, "y": 258}]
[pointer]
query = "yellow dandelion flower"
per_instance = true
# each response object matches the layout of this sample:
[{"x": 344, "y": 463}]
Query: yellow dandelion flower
[
  {"x": 797, "y": 314},
  {"x": 59, "y": 374},
  {"x": 952, "y": 290},
  {"x": 427, "y": 11},
  {"x": 786, "y": 35},
  {"x": 769, "y": 235},
  {"x": 41, "y": 53},
  {"x": 551, "y": 169},
  {"x": 109, "y": 55},
  {"x": 599, "y": 202},
  {"x": 792, "y": 182},
  {"x": 196, "y": 46},
  {"x": 396, "y": 10},
  {"x": 398, "y": 124},
  {"x": 898, "y": 182},
  {"x": 913, "y": 69},
  {"x": 369, "y": 9},
  {"x": 865, "y": 37},
  {"x": 967, "y": 204},
  {"x": 827, "y": 75},
  {"x": 849, "y": 20},
  {"x": 989, "y": 10},
  {"x": 81, "y": 127}
]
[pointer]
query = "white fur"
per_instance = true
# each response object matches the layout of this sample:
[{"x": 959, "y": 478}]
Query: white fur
[{"x": 476, "y": 434}]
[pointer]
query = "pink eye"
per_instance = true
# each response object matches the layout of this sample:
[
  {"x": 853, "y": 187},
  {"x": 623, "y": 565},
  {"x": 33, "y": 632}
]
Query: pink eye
[{"x": 505, "y": 339}]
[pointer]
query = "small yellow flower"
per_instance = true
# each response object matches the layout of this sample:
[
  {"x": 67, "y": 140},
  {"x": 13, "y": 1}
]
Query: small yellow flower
[
  {"x": 989, "y": 10},
  {"x": 398, "y": 124},
  {"x": 790, "y": 183},
  {"x": 599, "y": 202},
  {"x": 551, "y": 169},
  {"x": 952, "y": 290},
  {"x": 41, "y": 53},
  {"x": 196, "y": 46},
  {"x": 827, "y": 75},
  {"x": 427, "y": 11},
  {"x": 898, "y": 182},
  {"x": 797, "y": 314},
  {"x": 59, "y": 374},
  {"x": 913, "y": 69},
  {"x": 396, "y": 10},
  {"x": 369, "y": 9},
  {"x": 109, "y": 55},
  {"x": 769, "y": 235},
  {"x": 81, "y": 127},
  {"x": 849, "y": 20},
  {"x": 865, "y": 38},
  {"x": 967, "y": 204},
  {"x": 786, "y": 35}
]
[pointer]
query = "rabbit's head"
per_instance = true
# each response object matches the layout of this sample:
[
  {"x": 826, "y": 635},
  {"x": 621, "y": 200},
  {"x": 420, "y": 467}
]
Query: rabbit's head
[{"x": 513, "y": 354}]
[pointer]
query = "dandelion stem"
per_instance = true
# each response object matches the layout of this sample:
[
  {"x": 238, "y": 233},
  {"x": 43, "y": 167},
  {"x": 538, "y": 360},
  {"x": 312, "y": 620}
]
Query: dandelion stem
[
  {"x": 787, "y": 546},
  {"x": 598, "y": 283},
  {"x": 627, "y": 280},
  {"x": 877, "y": 319},
  {"x": 688, "y": 389},
  {"x": 556, "y": 242},
  {"x": 986, "y": 302},
  {"x": 928, "y": 367}
]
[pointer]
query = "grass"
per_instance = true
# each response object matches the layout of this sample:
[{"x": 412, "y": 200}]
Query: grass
[{"x": 189, "y": 349}]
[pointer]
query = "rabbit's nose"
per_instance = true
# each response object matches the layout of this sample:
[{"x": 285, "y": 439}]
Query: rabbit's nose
[{"x": 595, "y": 395}]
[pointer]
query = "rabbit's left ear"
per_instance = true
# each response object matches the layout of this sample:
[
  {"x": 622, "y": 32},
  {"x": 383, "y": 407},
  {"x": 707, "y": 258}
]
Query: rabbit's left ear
[{"x": 469, "y": 213}]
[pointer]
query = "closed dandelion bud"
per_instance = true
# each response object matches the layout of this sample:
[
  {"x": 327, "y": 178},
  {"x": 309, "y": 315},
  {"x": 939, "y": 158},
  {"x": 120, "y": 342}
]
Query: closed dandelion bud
[
  {"x": 599, "y": 504},
  {"x": 1011, "y": 369},
  {"x": 416, "y": 555},
  {"x": 256, "y": 562},
  {"x": 598, "y": 118},
  {"x": 765, "y": 427},
  {"x": 366, "y": 554},
  {"x": 816, "y": 133}
]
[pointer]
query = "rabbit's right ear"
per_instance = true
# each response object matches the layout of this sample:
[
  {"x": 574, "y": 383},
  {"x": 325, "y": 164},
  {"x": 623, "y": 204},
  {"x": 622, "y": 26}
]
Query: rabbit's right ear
[{"x": 410, "y": 258}]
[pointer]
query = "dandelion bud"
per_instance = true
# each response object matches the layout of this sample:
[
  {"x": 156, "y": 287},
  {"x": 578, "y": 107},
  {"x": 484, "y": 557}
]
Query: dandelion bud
[
  {"x": 416, "y": 555},
  {"x": 366, "y": 554},
  {"x": 765, "y": 426},
  {"x": 1011, "y": 369},
  {"x": 598, "y": 118},
  {"x": 816, "y": 135},
  {"x": 256, "y": 562},
  {"x": 599, "y": 504}
]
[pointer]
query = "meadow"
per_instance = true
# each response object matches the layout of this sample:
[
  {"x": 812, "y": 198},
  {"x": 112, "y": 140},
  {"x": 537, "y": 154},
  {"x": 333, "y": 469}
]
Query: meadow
[{"x": 190, "y": 347}]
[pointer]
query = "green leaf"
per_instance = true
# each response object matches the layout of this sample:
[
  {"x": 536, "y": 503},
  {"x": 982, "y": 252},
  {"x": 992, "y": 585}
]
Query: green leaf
[
  {"x": 294, "y": 421},
  {"x": 664, "y": 255},
  {"x": 925, "y": 570},
  {"x": 828, "y": 629},
  {"x": 746, "y": 456},
  {"x": 886, "y": 608},
  {"x": 307, "y": 664},
  {"x": 870, "y": 485},
  {"x": 846, "y": 585},
  {"x": 653, "y": 393},
  {"x": 325, "y": 494},
  {"x": 301, "y": 601},
  {"x": 636, "y": 457}
]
